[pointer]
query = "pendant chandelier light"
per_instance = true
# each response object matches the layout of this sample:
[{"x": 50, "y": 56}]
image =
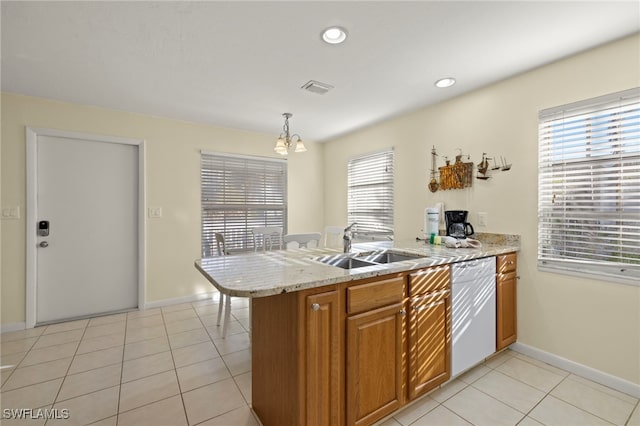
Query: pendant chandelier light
[{"x": 286, "y": 141}]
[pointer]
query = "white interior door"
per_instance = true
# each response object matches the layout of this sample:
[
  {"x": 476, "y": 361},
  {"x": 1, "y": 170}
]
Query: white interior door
[{"x": 88, "y": 192}]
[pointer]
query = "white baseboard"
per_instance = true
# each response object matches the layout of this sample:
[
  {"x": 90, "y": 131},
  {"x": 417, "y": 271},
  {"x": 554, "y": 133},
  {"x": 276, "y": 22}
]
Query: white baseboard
[
  {"x": 177, "y": 300},
  {"x": 17, "y": 326},
  {"x": 597, "y": 376},
  {"x": 14, "y": 326}
]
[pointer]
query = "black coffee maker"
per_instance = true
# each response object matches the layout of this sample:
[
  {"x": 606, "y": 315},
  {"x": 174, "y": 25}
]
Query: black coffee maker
[{"x": 457, "y": 225}]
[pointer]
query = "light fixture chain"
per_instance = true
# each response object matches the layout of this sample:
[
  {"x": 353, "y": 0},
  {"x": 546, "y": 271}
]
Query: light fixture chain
[{"x": 286, "y": 129}]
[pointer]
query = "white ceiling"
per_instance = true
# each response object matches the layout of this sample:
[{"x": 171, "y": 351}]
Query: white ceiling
[{"x": 241, "y": 64}]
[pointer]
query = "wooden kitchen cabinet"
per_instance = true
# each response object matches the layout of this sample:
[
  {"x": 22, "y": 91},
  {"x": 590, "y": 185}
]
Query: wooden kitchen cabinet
[
  {"x": 322, "y": 358},
  {"x": 297, "y": 358},
  {"x": 429, "y": 330},
  {"x": 506, "y": 300},
  {"x": 375, "y": 355},
  {"x": 353, "y": 353}
]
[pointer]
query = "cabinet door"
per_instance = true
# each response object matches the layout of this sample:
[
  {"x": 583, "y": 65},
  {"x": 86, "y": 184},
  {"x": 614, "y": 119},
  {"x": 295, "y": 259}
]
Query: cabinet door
[
  {"x": 374, "y": 364},
  {"x": 322, "y": 359},
  {"x": 429, "y": 341},
  {"x": 506, "y": 315}
]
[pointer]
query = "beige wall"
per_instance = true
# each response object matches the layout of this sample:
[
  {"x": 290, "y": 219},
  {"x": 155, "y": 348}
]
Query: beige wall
[
  {"x": 591, "y": 322},
  {"x": 172, "y": 181}
]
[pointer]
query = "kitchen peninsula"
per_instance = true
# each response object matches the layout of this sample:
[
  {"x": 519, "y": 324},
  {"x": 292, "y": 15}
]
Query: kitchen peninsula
[{"x": 350, "y": 346}]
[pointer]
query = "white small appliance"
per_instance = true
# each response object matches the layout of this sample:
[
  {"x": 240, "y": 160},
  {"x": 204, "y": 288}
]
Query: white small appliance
[
  {"x": 431, "y": 221},
  {"x": 473, "y": 313}
]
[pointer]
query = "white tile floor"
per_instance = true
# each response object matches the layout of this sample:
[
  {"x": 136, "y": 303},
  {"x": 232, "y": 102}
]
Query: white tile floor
[{"x": 169, "y": 366}]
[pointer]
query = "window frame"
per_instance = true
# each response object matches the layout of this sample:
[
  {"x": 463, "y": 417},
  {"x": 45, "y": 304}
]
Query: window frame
[
  {"x": 273, "y": 206},
  {"x": 585, "y": 150}
]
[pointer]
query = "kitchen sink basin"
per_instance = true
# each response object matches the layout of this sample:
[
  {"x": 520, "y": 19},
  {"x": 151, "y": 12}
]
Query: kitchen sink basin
[
  {"x": 386, "y": 257},
  {"x": 351, "y": 261},
  {"x": 344, "y": 261}
]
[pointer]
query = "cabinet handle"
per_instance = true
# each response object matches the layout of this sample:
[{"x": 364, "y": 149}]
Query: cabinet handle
[
  {"x": 403, "y": 312},
  {"x": 315, "y": 307}
]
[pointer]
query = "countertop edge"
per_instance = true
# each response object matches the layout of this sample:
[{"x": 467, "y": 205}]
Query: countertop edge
[{"x": 461, "y": 255}]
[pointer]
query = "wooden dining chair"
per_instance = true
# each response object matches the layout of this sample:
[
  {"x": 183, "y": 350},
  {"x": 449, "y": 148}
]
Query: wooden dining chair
[{"x": 302, "y": 240}]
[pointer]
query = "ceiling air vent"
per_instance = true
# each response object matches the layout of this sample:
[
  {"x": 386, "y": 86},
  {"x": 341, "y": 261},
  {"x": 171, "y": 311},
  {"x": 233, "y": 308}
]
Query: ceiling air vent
[{"x": 316, "y": 87}]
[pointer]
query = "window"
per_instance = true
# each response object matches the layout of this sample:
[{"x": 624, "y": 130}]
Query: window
[
  {"x": 240, "y": 193},
  {"x": 589, "y": 187},
  {"x": 370, "y": 185}
]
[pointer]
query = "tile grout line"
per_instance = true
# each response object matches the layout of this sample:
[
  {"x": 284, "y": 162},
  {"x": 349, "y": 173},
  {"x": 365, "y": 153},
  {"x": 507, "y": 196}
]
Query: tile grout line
[
  {"x": 484, "y": 363},
  {"x": 228, "y": 370},
  {"x": 64, "y": 378},
  {"x": 124, "y": 345},
  {"x": 175, "y": 371},
  {"x": 525, "y": 383},
  {"x": 547, "y": 394},
  {"x": 175, "y": 368},
  {"x": 20, "y": 362},
  {"x": 636, "y": 407},
  {"x": 225, "y": 366}
]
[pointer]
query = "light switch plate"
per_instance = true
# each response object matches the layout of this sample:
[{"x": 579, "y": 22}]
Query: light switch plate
[
  {"x": 482, "y": 218},
  {"x": 154, "y": 212},
  {"x": 11, "y": 212}
]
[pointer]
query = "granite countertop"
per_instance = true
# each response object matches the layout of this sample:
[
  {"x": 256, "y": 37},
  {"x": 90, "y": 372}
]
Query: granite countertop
[{"x": 284, "y": 271}]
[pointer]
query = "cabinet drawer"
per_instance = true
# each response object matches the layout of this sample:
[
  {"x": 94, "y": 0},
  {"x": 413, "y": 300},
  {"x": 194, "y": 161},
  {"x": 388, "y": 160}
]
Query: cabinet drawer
[
  {"x": 364, "y": 297},
  {"x": 506, "y": 263},
  {"x": 428, "y": 280}
]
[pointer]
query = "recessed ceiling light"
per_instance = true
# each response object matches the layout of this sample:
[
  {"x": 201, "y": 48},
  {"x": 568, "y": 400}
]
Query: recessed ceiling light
[
  {"x": 334, "y": 35},
  {"x": 445, "y": 82}
]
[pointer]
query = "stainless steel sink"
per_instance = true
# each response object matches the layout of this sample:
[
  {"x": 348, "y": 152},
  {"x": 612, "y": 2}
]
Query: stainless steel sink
[
  {"x": 344, "y": 261},
  {"x": 360, "y": 260},
  {"x": 386, "y": 256}
]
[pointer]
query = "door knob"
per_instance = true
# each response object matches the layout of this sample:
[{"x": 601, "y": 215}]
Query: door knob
[
  {"x": 315, "y": 307},
  {"x": 44, "y": 244}
]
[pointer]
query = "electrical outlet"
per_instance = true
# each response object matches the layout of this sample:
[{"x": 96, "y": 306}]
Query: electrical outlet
[
  {"x": 482, "y": 218},
  {"x": 155, "y": 212}
]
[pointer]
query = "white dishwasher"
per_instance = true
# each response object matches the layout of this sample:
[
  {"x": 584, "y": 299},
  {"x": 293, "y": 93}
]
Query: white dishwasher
[{"x": 473, "y": 312}]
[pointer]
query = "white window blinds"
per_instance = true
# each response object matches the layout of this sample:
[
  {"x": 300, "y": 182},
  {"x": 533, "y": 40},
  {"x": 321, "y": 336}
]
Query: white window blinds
[
  {"x": 370, "y": 192},
  {"x": 240, "y": 193},
  {"x": 589, "y": 187}
]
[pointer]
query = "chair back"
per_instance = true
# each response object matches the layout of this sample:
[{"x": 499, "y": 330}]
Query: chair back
[
  {"x": 222, "y": 250},
  {"x": 270, "y": 235},
  {"x": 302, "y": 240},
  {"x": 333, "y": 236}
]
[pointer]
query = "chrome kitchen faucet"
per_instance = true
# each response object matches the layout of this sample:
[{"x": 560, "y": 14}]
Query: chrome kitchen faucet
[{"x": 347, "y": 237}]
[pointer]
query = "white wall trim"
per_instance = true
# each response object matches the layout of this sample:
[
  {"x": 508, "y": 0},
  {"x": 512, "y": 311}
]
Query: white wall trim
[
  {"x": 14, "y": 326},
  {"x": 581, "y": 370},
  {"x": 178, "y": 300},
  {"x": 32, "y": 134},
  {"x": 18, "y": 326}
]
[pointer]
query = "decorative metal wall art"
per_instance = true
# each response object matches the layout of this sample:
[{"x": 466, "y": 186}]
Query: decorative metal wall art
[
  {"x": 456, "y": 176},
  {"x": 460, "y": 174}
]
